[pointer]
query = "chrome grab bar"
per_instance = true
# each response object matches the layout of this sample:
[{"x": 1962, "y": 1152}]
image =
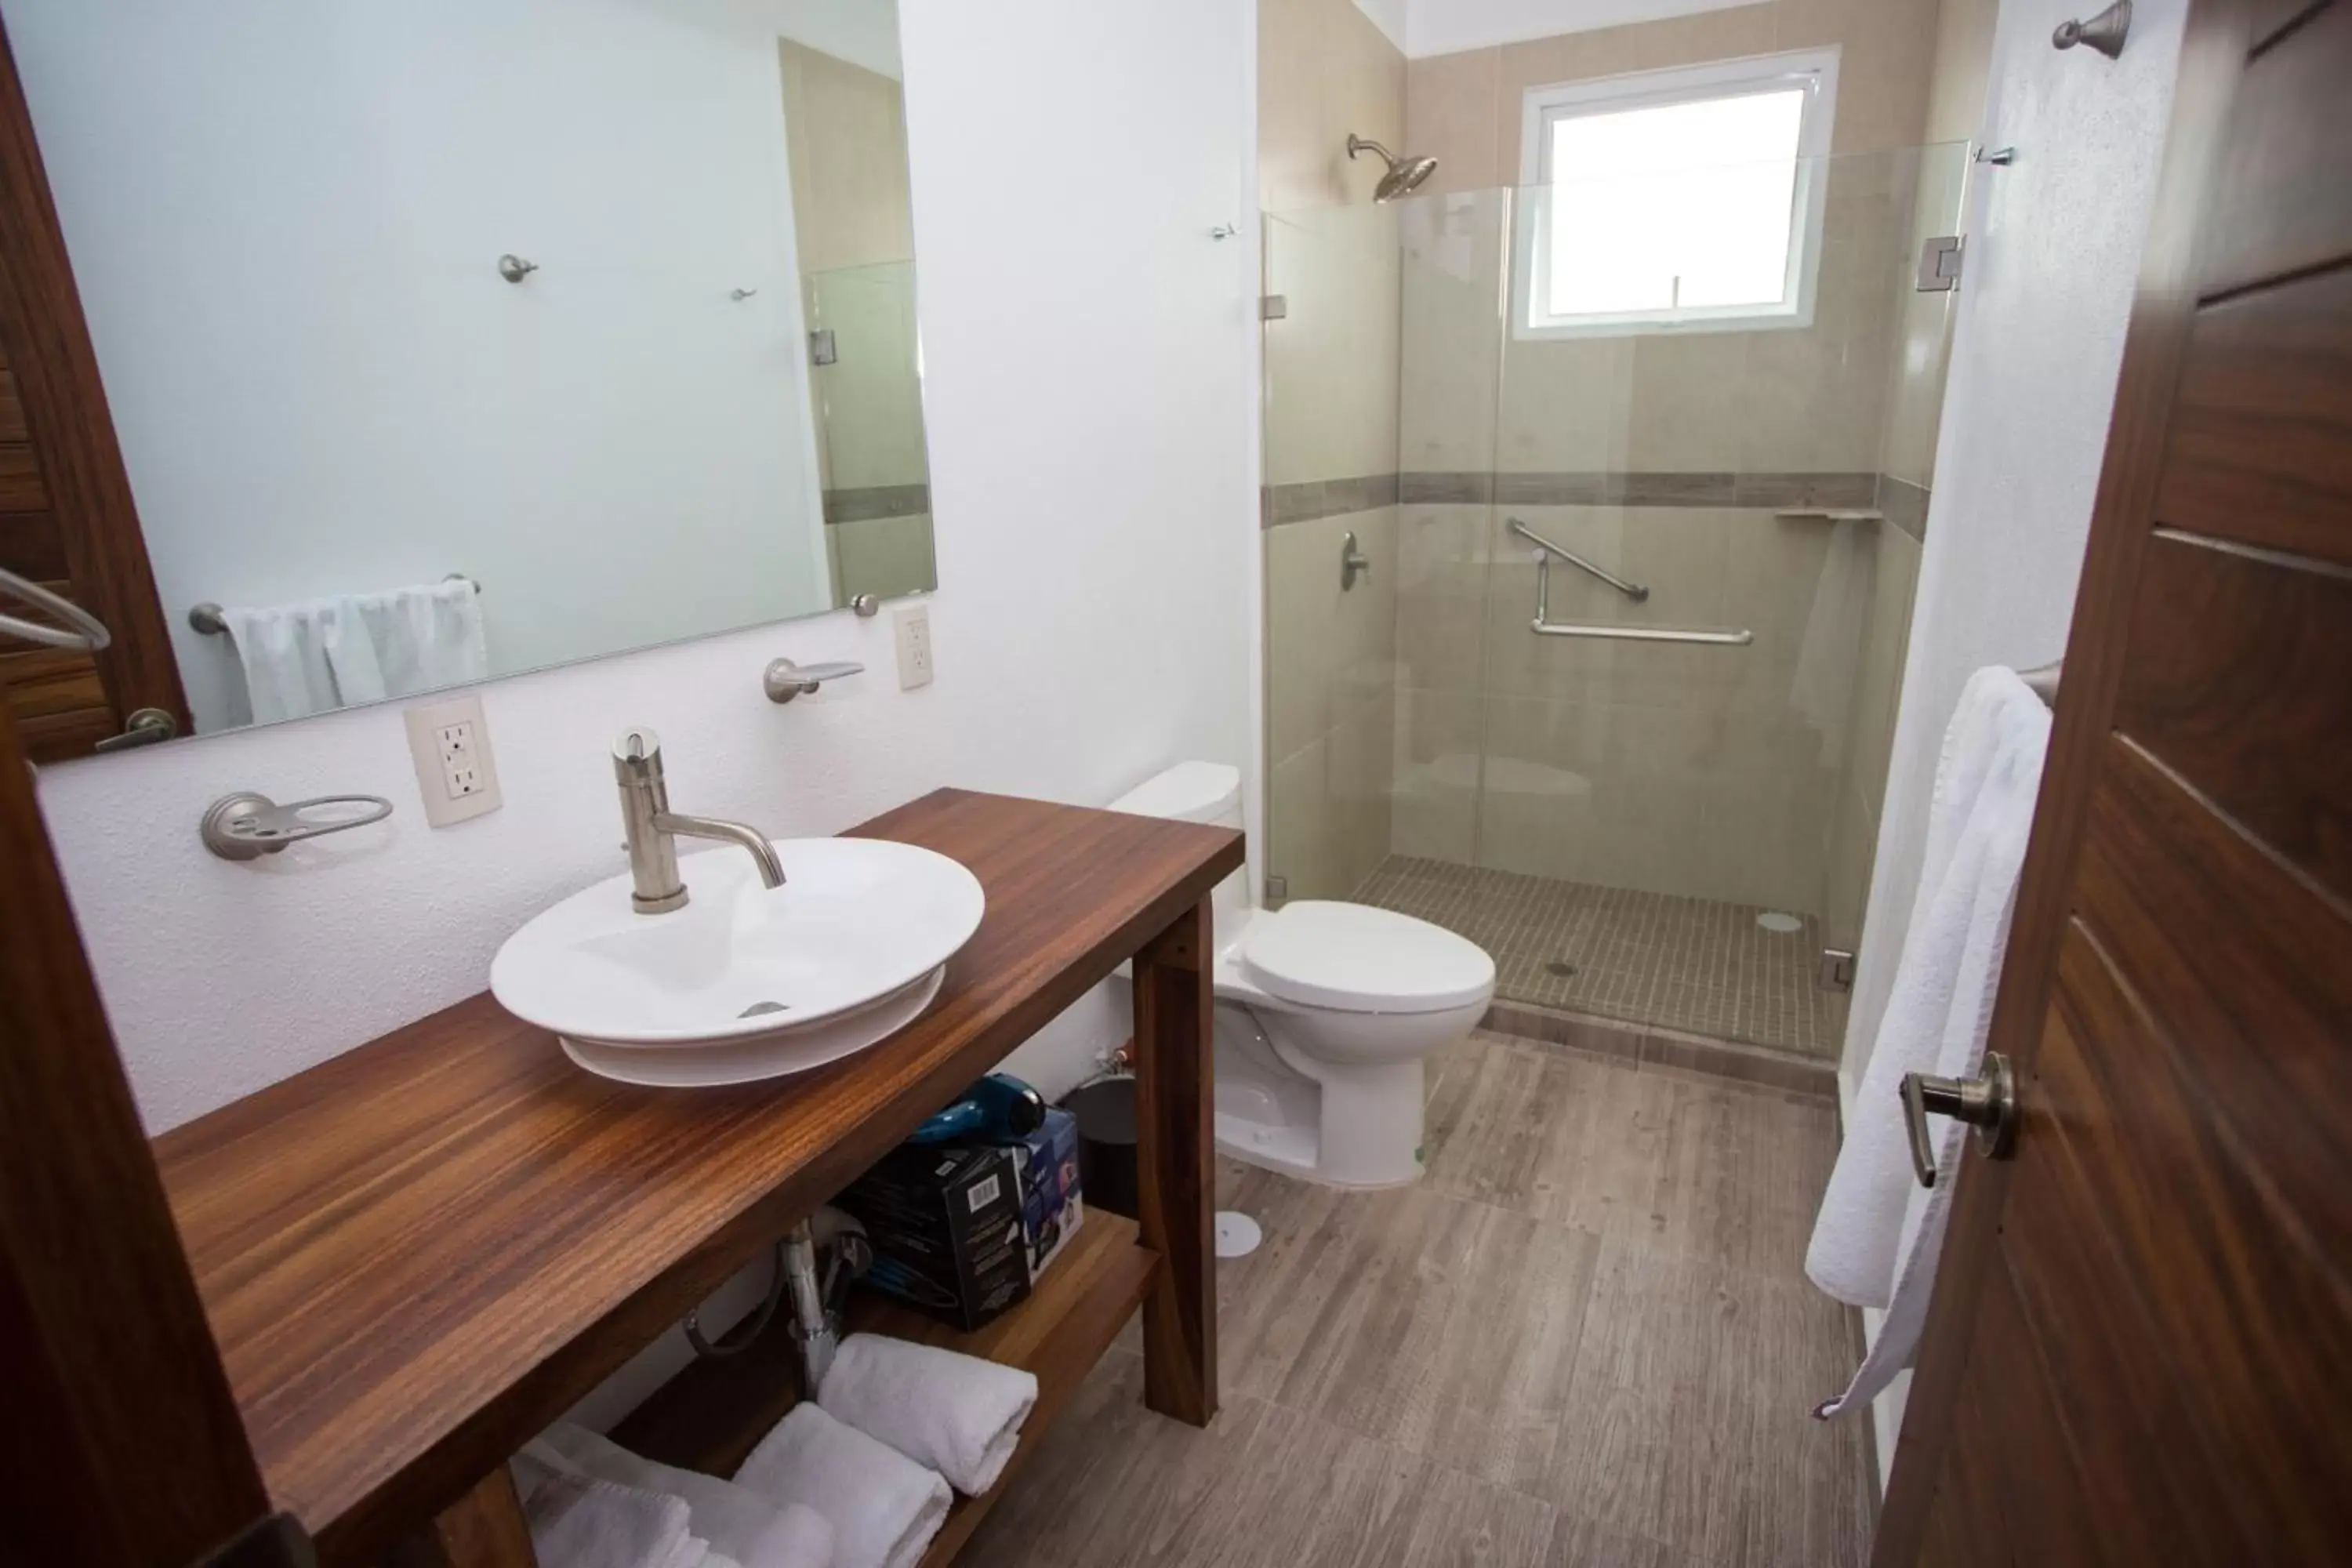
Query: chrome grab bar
[
  {"x": 1543, "y": 626},
  {"x": 1633, "y": 590}
]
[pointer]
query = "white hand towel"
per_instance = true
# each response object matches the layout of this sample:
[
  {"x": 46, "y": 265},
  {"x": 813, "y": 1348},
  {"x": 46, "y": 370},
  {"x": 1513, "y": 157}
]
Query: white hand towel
[
  {"x": 305, "y": 658},
  {"x": 579, "y": 1522},
  {"x": 740, "y": 1525},
  {"x": 884, "y": 1508},
  {"x": 957, "y": 1414},
  {"x": 1879, "y": 1233}
]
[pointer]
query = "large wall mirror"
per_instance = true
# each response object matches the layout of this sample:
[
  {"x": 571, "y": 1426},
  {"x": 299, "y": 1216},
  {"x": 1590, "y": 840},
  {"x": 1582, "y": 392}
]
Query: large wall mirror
[{"x": 449, "y": 339}]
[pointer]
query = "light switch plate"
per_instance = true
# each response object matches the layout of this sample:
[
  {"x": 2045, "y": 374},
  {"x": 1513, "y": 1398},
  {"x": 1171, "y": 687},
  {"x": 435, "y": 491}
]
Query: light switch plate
[
  {"x": 914, "y": 626},
  {"x": 456, "y": 772}
]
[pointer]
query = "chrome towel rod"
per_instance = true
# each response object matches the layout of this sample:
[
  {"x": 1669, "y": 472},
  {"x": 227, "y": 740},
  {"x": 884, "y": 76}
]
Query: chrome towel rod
[
  {"x": 207, "y": 619},
  {"x": 1633, "y": 590},
  {"x": 82, "y": 632}
]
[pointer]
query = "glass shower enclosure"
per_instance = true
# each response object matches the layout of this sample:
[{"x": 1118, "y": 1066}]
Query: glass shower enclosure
[{"x": 1612, "y": 688}]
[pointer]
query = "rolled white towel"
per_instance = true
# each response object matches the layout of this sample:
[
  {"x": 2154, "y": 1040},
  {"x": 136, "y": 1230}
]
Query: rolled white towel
[
  {"x": 884, "y": 1508},
  {"x": 580, "y": 1523},
  {"x": 957, "y": 1414},
  {"x": 740, "y": 1524}
]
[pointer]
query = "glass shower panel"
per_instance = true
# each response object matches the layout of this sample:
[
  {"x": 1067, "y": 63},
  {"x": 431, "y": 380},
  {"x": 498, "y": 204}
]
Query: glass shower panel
[
  {"x": 1672, "y": 828},
  {"x": 1331, "y": 363},
  {"x": 865, "y": 374}
]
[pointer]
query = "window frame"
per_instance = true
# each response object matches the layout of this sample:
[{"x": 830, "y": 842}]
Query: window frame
[{"x": 1815, "y": 71}]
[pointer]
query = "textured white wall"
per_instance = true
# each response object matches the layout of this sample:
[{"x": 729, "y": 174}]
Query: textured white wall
[
  {"x": 2053, "y": 255},
  {"x": 1089, "y": 380}
]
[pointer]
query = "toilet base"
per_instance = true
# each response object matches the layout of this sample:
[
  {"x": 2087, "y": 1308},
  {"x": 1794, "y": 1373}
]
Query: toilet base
[{"x": 1359, "y": 1126}]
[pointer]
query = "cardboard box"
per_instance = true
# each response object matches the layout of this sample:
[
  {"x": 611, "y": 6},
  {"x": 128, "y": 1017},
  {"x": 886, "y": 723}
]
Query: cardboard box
[
  {"x": 946, "y": 1223},
  {"x": 1051, "y": 1207}
]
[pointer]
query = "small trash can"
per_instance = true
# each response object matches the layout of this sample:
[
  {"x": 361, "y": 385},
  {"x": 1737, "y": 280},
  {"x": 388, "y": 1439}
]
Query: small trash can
[{"x": 1106, "y": 1113}]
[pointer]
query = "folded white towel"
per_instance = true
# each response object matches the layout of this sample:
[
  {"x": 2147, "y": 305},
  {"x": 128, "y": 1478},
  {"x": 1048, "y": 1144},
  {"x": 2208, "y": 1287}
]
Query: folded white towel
[
  {"x": 580, "y": 1523},
  {"x": 957, "y": 1414},
  {"x": 884, "y": 1508},
  {"x": 1878, "y": 1235},
  {"x": 740, "y": 1525}
]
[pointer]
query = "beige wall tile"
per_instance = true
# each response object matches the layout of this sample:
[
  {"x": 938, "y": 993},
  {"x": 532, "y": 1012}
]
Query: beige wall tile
[
  {"x": 1449, "y": 102},
  {"x": 1330, "y": 651},
  {"x": 1434, "y": 807},
  {"x": 1331, "y": 363},
  {"x": 845, "y": 139},
  {"x": 1362, "y": 760},
  {"x": 1853, "y": 843},
  {"x": 1441, "y": 585},
  {"x": 1451, "y": 305},
  {"x": 1291, "y": 161},
  {"x": 1299, "y": 829}
]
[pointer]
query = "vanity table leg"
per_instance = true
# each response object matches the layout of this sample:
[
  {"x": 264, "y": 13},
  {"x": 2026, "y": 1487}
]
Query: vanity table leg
[
  {"x": 484, "y": 1529},
  {"x": 1175, "y": 1169}
]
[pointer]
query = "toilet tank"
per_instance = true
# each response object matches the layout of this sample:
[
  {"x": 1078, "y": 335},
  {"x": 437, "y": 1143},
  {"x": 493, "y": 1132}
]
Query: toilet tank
[{"x": 1199, "y": 792}]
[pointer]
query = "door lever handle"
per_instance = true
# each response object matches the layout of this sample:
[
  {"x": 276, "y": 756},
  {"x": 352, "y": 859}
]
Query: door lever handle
[
  {"x": 145, "y": 728},
  {"x": 1986, "y": 1102}
]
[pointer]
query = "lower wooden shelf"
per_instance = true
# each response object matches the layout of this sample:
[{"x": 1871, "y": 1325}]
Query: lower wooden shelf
[{"x": 711, "y": 1416}]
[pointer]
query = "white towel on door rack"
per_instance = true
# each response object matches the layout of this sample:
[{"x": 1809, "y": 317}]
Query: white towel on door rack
[
  {"x": 957, "y": 1414},
  {"x": 1878, "y": 1235},
  {"x": 884, "y": 1508}
]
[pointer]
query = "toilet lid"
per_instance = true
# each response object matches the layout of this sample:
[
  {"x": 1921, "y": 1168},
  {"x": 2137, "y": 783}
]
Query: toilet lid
[{"x": 1353, "y": 958}]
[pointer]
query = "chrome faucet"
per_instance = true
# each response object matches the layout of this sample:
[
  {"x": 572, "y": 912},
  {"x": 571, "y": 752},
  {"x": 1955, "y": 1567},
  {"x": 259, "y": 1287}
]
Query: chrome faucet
[{"x": 654, "y": 828}]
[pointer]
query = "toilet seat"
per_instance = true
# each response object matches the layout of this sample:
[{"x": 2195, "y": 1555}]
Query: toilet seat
[{"x": 1352, "y": 958}]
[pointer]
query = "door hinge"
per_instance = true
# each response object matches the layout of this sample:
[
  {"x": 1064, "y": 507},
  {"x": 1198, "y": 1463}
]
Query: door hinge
[
  {"x": 822, "y": 350},
  {"x": 1939, "y": 263},
  {"x": 1273, "y": 307},
  {"x": 1278, "y": 889},
  {"x": 1836, "y": 969}
]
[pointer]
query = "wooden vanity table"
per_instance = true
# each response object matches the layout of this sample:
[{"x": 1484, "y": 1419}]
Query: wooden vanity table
[{"x": 416, "y": 1256}]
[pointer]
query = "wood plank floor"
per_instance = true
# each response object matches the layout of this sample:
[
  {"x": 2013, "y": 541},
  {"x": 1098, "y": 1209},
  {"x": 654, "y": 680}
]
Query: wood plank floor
[{"x": 1585, "y": 1338}]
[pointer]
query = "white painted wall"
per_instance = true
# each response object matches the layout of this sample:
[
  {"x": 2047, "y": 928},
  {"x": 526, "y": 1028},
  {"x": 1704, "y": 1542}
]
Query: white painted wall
[
  {"x": 2053, "y": 254},
  {"x": 1391, "y": 16},
  {"x": 1448, "y": 26}
]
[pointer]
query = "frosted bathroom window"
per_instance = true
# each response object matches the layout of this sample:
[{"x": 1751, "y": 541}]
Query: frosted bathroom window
[{"x": 1674, "y": 201}]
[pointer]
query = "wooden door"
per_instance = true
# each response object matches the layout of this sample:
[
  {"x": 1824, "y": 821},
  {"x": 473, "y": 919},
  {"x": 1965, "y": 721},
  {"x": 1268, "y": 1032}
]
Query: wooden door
[
  {"x": 66, "y": 516},
  {"x": 2140, "y": 1348},
  {"x": 121, "y": 1445}
]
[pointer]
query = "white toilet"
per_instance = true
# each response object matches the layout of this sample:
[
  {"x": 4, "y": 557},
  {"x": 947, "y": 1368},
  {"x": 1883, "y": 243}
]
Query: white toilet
[{"x": 1324, "y": 1011}]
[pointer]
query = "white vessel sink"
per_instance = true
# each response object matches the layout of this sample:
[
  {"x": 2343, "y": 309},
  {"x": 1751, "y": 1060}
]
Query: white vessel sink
[{"x": 745, "y": 982}]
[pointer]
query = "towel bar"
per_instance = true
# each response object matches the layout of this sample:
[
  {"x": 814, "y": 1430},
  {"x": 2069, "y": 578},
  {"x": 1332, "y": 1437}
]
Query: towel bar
[{"x": 208, "y": 620}]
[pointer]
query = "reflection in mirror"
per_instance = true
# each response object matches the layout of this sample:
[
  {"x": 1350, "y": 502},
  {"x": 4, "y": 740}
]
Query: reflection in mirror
[{"x": 446, "y": 341}]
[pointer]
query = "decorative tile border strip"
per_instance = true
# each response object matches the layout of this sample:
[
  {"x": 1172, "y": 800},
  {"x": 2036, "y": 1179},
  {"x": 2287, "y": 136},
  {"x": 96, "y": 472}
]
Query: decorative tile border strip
[
  {"x": 1312, "y": 498},
  {"x": 876, "y": 502},
  {"x": 1904, "y": 504},
  {"x": 1641, "y": 487}
]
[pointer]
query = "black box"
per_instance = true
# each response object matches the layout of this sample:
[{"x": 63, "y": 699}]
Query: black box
[{"x": 945, "y": 1222}]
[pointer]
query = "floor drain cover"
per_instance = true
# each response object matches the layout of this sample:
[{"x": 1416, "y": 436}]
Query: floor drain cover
[
  {"x": 1773, "y": 919},
  {"x": 1561, "y": 967},
  {"x": 1237, "y": 1234}
]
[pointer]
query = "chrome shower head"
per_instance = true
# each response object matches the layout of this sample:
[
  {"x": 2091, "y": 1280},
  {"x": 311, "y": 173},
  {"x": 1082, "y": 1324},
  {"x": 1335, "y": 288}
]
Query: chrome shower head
[{"x": 1404, "y": 175}]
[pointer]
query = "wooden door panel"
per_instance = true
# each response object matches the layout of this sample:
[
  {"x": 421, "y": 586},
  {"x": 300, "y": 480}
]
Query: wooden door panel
[
  {"x": 12, "y": 408},
  {"x": 21, "y": 488},
  {"x": 2247, "y": 965},
  {"x": 2243, "y": 1328},
  {"x": 2138, "y": 1463},
  {"x": 31, "y": 546},
  {"x": 2281, "y": 203},
  {"x": 1996, "y": 1485},
  {"x": 2261, "y": 445},
  {"x": 2245, "y": 712}
]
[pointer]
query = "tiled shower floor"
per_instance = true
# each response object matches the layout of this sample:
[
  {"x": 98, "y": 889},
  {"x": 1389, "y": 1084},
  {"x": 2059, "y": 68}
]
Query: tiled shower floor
[{"x": 1647, "y": 958}]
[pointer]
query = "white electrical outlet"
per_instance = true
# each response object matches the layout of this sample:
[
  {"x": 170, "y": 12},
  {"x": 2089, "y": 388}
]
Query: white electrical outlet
[
  {"x": 450, "y": 743},
  {"x": 914, "y": 625}
]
